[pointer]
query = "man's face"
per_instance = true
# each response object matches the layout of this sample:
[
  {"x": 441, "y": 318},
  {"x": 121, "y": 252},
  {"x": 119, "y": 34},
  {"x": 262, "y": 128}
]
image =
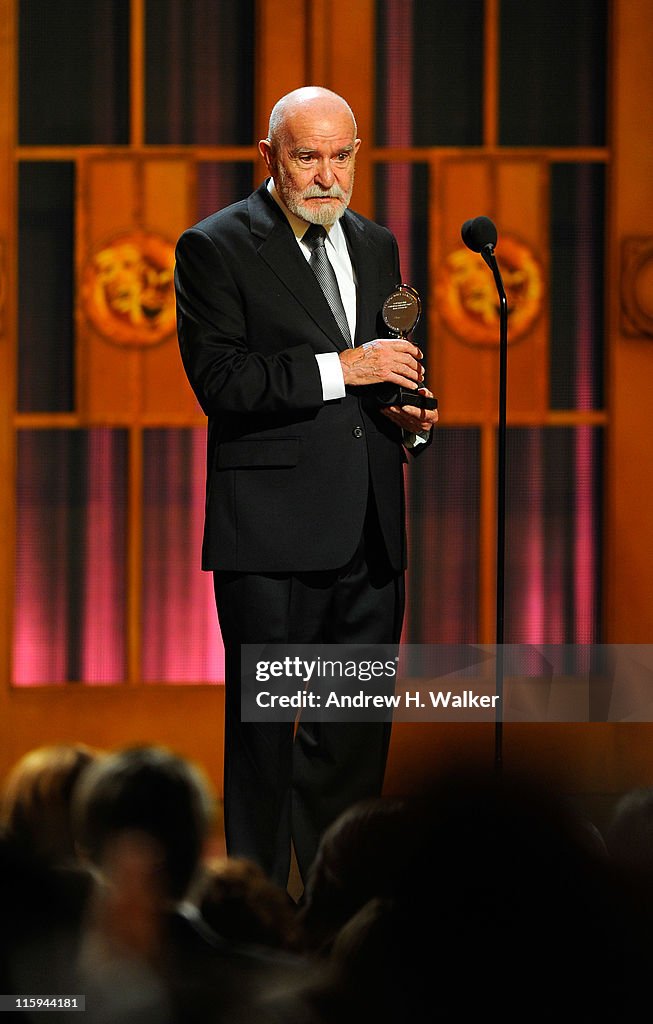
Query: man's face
[{"x": 313, "y": 162}]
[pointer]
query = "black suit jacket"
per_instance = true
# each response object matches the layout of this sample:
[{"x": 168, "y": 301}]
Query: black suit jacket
[{"x": 287, "y": 473}]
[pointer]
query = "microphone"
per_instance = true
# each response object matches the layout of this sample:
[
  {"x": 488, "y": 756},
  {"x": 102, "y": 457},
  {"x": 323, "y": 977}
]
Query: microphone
[{"x": 479, "y": 234}]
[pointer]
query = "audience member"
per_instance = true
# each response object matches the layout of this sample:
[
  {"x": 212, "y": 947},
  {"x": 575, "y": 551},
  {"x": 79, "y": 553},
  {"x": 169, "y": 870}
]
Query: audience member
[
  {"x": 41, "y": 918},
  {"x": 629, "y": 843},
  {"x": 362, "y": 855},
  {"x": 629, "y": 833},
  {"x": 44, "y": 890},
  {"x": 480, "y": 894},
  {"x": 241, "y": 903},
  {"x": 504, "y": 905},
  {"x": 37, "y": 797},
  {"x": 143, "y": 818}
]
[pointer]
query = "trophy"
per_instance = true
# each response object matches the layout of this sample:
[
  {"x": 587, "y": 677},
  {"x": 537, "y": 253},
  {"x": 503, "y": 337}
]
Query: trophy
[{"x": 401, "y": 311}]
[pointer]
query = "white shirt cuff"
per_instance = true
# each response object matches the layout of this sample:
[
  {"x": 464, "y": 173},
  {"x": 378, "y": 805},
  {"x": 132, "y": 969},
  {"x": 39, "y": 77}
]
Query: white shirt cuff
[{"x": 333, "y": 382}]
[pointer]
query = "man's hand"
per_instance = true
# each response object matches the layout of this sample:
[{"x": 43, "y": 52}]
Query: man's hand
[
  {"x": 410, "y": 417},
  {"x": 383, "y": 360}
]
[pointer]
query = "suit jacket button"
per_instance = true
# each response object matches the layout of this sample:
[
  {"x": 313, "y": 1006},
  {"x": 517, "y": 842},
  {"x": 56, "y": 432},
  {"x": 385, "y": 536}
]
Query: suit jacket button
[{"x": 357, "y": 431}]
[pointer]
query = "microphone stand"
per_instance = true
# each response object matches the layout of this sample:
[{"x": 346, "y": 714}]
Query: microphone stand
[{"x": 487, "y": 252}]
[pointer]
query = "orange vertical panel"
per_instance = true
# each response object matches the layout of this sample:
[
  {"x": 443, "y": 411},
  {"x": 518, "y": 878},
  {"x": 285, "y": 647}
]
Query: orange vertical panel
[
  {"x": 109, "y": 197},
  {"x": 319, "y": 15},
  {"x": 630, "y": 505},
  {"x": 350, "y": 35},
  {"x": 466, "y": 374},
  {"x": 281, "y": 65},
  {"x": 166, "y": 210},
  {"x": 166, "y": 191},
  {"x": 521, "y": 206},
  {"x": 109, "y": 374},
  {"x": 137, "y": 72}
]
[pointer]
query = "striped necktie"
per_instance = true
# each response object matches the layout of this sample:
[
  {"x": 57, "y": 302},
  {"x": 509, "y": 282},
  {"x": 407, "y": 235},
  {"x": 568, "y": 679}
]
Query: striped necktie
[{"x": 324, "y": 272}]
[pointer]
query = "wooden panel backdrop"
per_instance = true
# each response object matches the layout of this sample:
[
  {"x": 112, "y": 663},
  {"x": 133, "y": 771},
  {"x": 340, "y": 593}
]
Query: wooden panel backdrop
[{"x": 135, "y": 186}]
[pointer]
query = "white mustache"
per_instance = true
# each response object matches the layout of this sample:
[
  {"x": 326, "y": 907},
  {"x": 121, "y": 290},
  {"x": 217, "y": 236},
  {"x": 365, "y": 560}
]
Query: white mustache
[{"x": 315, "y": 192}]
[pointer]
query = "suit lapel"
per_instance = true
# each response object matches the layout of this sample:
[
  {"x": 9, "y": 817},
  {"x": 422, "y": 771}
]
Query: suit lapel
[
  {"x": 279, "y": 250},
  {"x": 361, "y": 251}
]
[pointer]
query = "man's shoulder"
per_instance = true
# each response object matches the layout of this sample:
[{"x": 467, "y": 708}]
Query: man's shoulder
[
  {"x": 233, "y": 214},
  {"x": 356, "y": 222},
  {"x": 256, "y": 215}
]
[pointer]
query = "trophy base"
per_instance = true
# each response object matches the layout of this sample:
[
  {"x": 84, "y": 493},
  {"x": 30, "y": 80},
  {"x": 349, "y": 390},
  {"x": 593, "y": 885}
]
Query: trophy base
[{"x": 414, "y": 398}]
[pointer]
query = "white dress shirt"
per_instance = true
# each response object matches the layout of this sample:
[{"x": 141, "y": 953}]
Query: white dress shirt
[
  {"x": 328, "y": 363},
  {"x": 333, "y": 384}
]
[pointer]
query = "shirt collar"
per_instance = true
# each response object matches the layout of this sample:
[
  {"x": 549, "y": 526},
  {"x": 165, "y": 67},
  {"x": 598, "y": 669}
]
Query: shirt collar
[{"x": 334, "y": 233}]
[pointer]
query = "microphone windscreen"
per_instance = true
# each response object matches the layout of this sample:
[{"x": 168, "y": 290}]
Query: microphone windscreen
[{"x": 479, "y": 232}]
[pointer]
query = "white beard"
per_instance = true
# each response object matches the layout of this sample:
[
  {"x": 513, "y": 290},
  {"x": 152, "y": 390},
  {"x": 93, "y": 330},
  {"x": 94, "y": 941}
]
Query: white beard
[{"x": 295, "y": 200}]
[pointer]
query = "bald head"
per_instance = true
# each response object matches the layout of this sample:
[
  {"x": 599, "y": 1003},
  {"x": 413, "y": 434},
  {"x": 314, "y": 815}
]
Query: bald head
[
  {"x": 311, "y": 153},
  {"x": 311, "y": 102}
]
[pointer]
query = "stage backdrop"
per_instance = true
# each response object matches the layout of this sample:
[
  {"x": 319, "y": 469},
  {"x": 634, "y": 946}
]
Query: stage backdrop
[{"x": 130, "y": 120}]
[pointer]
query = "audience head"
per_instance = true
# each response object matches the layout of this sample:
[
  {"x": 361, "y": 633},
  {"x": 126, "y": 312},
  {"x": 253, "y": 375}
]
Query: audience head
[
  {"x": 151, "y": 793},
  {"x": 242, "y": 904},
  {"x": 629, "y": 835},
  {"x": 362, "y": 855},
  {"x": 37, "y": 800}
]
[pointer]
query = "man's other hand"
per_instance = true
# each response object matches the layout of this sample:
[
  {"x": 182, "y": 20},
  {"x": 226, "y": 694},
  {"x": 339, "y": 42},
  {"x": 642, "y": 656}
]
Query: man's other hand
[{"x": 410, "y": 417}]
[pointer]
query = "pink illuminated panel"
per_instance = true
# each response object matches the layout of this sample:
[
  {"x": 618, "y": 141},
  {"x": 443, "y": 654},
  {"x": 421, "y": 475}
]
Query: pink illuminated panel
[
  {"x": 69, "y": 609},
  {"x": 181, "y": 636},
  {"x": 553, "y": 535}
]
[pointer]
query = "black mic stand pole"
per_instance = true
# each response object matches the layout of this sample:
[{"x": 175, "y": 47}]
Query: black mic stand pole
[{"x": 487, "y": 252}]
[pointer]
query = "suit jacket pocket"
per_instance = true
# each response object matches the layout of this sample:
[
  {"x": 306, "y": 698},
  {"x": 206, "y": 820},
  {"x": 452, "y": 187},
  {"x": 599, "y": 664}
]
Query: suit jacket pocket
[{"x": 255, "y": 452}]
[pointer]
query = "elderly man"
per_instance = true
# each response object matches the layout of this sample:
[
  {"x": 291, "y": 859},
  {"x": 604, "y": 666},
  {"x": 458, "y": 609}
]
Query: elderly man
[{"x": 279, "y": 303}]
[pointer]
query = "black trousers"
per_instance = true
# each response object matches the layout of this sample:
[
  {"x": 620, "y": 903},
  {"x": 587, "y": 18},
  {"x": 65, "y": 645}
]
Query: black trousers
[{"x": 285, "y": 783}]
